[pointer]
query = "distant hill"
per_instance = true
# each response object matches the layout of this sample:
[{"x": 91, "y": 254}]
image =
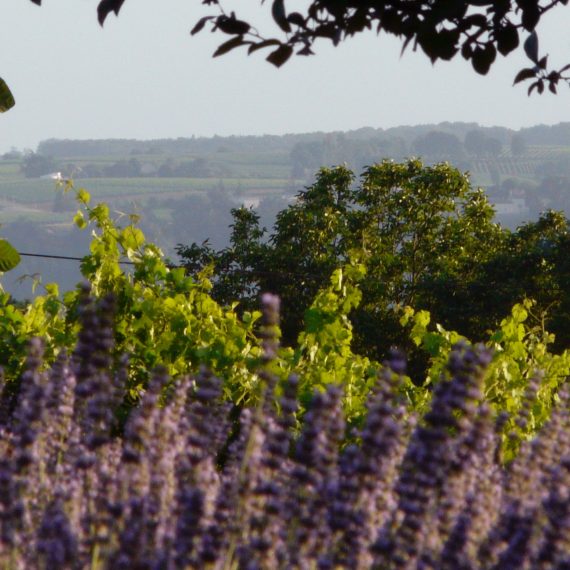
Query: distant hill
[{"x": 184, "y": 188}]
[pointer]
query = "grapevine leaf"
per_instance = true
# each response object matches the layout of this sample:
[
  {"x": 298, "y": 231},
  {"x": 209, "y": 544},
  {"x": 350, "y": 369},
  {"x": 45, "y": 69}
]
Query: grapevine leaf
[
  {"x": 6, "y": 98},
  {"x": 79, "y": 220},
  {"x": 9, "y": 257},
  {"x": 83, "y": 196}
]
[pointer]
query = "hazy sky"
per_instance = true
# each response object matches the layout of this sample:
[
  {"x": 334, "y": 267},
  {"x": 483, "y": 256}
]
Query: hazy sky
[{"x": 143, "y": 76}]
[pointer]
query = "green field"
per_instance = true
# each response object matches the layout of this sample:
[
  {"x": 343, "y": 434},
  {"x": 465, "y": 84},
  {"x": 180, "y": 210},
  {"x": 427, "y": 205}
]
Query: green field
[
  {"x": 27, "y": 191},
  {"x": 241, "y": 174},
  {"x": 105, "y": 188},
  {"x": 42, "y": 191},
  {"x": 36, "y": 217}
]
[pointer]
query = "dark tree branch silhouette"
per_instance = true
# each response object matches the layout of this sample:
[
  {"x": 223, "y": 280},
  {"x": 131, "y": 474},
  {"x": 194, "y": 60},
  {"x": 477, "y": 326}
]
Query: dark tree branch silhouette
[{"x": 478, "y": 30}]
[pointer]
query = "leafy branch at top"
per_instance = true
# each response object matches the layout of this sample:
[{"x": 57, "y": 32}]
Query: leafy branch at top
[{"x": 479, "y": 30}]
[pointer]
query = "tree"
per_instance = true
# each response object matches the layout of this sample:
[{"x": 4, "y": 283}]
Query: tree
[
  {"x": 35, "y": 165},
  {"x": 237, "y": 266},
  {"x": 439, "y": 145},
  {"x": 531, "y": 262},
  {"x": 480, "y": 144},
  {"x": 476, "y": 29},
  {"x": 417, "y": 224},
  {"x": 405, "y": 222}
]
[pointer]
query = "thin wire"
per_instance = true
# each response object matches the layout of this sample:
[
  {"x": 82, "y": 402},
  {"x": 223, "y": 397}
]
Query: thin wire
[
  {"x": 490, "y": 288},
  {"x": 70, "y": 258},
  {"x": 235, "y": 271},
  {"x": 47, "y": 256}
]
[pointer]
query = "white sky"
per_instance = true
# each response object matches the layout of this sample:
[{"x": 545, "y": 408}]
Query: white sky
[{"x": 143, "y": 76}]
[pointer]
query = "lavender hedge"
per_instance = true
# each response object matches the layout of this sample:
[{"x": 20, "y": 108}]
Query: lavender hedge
[{"x": 186, "y": 481}]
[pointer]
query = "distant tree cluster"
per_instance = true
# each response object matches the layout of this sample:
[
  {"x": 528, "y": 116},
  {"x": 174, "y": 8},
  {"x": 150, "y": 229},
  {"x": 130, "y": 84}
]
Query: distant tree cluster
[
  {"x": 480, "y": 144},
  {"x": 195, "y": 168},
  {"x": 400, "y": 137},
  {"x": 308, "y": 156},
  {"x": 135, "y": 168},
  {"x": 34, "y": 165}
]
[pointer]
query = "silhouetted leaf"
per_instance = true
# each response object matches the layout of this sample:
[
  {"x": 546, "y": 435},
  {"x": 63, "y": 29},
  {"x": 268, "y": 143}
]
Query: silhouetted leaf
[
  {"x": 106, "y": 7},
  {"x": 439, "y": 45},
  {"x": 263, "y": 44},
  {"x": 483, "y": 58},
  {"x": 530, "y": 16},
  {"x": 280, "y": 55},
  {"x": 200, "y": 25},
  {"x": 306, "y": 50},
  {"x": 467, "y": 51},
  {"x": 531, "y": 47},
  {"x": 532, "y": 87},
  {"x": 476, "y": 20},
  {"x": 229, "y": 45},
  {"x": 507, "y": 39},
  {"x": 279, "y": 15},
  {"x": 6, "y": 98},
  {"x": 9, "y": 257},
  {"x": 523, "y": 74},
  {"x": 232, "y": 26},
  {"x": 296, "y": 19}
]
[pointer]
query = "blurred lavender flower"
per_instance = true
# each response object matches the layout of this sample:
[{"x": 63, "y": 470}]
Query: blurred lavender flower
[
  {"x": 191, "y": 483},
  {"x": 56, "y": 543},
  {"x": 312, "y": 478}
]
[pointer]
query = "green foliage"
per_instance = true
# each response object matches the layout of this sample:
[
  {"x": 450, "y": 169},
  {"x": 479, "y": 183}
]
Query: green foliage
[
  {"x": 324, "y": 353},
  {"x": 166, "y": 318},
  {"x": 531, "y": 262},
  {"x": 163, "y": 316},
  {"x": 6, "y": 98},
  {"x": 409, "y": 223},
  {"x": 521, "y": 356},
  {"x": 44, "y": 317},
  {"x": 9, "y": 257}
]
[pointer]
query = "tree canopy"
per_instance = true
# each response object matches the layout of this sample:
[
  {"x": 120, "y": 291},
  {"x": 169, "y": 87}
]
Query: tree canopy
[
  {"x": 478, "y": 30},
  {"x": 407, "y": 223},
  {"x": 426, "y": 239}
]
